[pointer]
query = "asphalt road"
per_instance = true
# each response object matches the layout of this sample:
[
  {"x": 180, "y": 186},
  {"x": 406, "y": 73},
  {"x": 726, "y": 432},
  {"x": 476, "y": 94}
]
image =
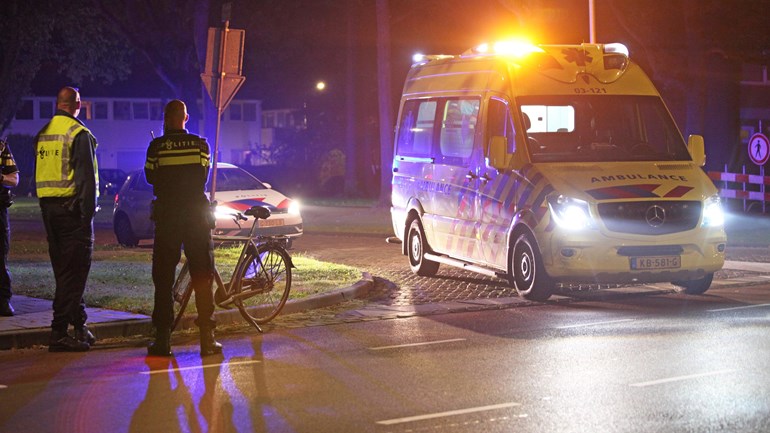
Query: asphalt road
[
  {"x": 616, "y": 361},
  {"x": 624, "y": 364}
]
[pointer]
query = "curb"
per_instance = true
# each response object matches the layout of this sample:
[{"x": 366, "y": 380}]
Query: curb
[{"x": 138, "y": 327}]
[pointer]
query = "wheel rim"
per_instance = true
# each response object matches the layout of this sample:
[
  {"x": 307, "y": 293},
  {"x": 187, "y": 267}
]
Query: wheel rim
[
  {"x": 524, "y": 266},
  {"x": 415, "y": 247}
]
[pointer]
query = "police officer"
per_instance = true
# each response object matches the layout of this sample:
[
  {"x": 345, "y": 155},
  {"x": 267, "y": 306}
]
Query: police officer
[
  {"x": 9, "y": 178},
  {"x": 177, "y": 167},
  {"x": 67, "y": 185}
]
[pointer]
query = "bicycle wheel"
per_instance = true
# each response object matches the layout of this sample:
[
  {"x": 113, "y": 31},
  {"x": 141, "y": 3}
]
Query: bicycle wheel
[
  {"x": 262, "y": 284},
  {"x": 182, "y": 291}
]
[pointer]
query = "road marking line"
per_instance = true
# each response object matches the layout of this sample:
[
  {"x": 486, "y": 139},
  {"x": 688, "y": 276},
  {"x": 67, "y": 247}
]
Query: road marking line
[
  {"x": 445, "y": 414},
  {"x": 417, "y": 344},
  {"x": 739, "y": 308},
  {"x": 680, "y": 378},
  {"x": 3, "y": 386},
  {"x": 200, "y": 367},
  {"x": 607, "y": 322}
]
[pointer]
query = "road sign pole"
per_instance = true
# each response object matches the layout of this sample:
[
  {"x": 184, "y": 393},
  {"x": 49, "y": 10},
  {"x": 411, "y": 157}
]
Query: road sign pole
[
  {"x": 220, "y": 83},
  {"x": 222, "y": 77}
]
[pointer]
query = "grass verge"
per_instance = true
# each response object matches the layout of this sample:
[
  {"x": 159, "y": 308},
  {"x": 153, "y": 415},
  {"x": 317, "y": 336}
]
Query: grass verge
[{"x": 121, "y": 278}]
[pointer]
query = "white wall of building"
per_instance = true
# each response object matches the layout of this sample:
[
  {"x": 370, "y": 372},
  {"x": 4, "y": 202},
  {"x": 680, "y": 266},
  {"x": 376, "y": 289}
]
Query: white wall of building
[{"x": 123, "y": 127}]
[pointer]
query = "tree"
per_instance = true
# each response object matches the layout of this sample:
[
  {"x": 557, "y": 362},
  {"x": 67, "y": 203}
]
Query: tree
[
  {"x": 168, "y": 34},
  {"x": 70, "y": 41}
]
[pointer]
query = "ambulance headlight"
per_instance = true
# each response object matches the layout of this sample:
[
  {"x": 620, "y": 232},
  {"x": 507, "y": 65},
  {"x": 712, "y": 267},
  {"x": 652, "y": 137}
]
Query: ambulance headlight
[
  {"x": 713, "y": 215},
  {"x": 569, "y": 213}
]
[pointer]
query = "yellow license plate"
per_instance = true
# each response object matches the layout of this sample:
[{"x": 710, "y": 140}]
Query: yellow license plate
[
  {"x": 656, "y": 262},
  {"x": 271, "y": 223}
]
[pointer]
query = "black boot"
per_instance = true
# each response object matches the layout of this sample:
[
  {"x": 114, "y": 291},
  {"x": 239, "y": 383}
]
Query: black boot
[
  {"x": 61, "y": 341},
  {"x": 209, "y": 346},
  {"x": 162, "y": 344}
]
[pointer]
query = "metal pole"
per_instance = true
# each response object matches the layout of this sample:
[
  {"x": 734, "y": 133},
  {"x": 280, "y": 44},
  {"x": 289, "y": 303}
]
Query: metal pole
[
  {"x": 591, "y": 22},
  {"x": 220, "y": 82}
]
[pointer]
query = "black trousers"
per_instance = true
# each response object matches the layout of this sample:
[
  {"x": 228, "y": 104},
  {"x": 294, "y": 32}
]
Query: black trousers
[
  {"x": 70, "y": 246},
  {"x": 176, "y": 228},
  {"x": 5, "y": 247}
]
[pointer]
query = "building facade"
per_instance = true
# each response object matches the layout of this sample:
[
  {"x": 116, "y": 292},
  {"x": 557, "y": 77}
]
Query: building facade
[{"x": 125, "y": 126}]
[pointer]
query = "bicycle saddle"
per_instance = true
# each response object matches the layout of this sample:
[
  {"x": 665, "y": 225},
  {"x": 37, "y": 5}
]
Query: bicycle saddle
[{"x": 258, "y": 211}]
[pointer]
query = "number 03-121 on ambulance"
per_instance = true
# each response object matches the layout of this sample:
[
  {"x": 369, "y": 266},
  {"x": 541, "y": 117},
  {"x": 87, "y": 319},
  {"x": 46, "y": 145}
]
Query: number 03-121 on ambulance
[{"x": 549, "y": 165}]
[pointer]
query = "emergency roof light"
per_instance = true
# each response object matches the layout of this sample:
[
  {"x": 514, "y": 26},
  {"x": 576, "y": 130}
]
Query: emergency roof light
[
  {"x": 514, "y": 48},
  {"x": 419, "y": 58},
  {"x": 616, "y": 48}
]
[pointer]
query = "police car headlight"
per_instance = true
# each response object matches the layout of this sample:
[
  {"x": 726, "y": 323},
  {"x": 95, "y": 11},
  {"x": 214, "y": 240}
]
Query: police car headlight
[
  {"x": 224, "y": 212},
  {"x": 294, "y": 207},
  {"x": 569, "y": 213},
  {"x": 713, "y": 215}
]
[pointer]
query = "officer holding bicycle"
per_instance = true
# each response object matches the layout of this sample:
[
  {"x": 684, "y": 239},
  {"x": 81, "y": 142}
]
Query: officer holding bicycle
[{"x": 177, "y": 166}]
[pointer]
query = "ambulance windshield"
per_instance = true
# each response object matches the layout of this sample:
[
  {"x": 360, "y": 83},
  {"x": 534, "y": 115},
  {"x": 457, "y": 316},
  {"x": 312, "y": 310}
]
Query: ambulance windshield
[{"x": 589, "y": 128}]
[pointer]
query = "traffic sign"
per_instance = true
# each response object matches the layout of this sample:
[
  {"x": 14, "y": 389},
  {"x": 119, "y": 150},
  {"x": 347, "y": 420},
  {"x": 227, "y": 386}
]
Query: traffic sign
[
  {"x": 224, "y": 60},
  {"x": 759, "y": 149}
]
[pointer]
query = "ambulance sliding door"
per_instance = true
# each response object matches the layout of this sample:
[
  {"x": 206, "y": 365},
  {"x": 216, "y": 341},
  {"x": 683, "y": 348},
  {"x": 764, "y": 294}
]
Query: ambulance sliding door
[
  {"x": 456, "y": 177},
  {"x": 497, "y": 189}
]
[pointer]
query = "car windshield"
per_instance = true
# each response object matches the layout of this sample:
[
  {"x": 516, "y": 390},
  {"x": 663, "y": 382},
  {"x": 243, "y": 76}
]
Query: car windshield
[
  {"x": 235, "y": 179},
  {"x": 588, "y": 128}
]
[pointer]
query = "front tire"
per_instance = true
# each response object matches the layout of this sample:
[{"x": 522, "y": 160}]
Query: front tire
[
  {"x": 695, "y": 287},
  {"x": 527, "y": 273},
  {"x": 265, "y": 275},
  {"x": 417, "y": 246}
]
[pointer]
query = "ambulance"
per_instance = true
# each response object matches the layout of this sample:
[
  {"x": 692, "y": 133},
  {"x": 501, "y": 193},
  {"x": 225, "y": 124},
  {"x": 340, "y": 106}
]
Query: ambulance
[{"x": 550, "y": 166}]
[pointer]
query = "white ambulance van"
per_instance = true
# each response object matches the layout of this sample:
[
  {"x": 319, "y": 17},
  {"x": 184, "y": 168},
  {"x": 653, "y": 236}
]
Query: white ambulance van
[{"x": 550, "y": 165}]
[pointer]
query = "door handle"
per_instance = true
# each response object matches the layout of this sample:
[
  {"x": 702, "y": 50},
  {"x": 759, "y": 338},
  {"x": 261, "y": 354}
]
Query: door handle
[
  {"x": 485, "y": 178},
  {"x": 471, "y": 176}
]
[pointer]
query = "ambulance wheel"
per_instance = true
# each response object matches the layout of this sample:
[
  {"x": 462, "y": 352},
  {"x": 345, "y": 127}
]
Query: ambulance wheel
[
  {"x": 696, "y": 287},
  {"x": 527, "y": 273},
  {"x": 416, "y": 249}
]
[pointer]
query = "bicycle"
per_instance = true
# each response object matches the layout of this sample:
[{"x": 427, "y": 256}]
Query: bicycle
[{"x": 262, "y": 276}]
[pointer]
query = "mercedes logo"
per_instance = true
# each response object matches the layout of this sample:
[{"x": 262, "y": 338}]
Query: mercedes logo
[{"x": 655, "y": 216}]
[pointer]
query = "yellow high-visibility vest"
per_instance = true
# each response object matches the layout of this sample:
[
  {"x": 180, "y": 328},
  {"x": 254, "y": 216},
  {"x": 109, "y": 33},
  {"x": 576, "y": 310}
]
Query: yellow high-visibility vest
[{"x": 53, "y": 174}]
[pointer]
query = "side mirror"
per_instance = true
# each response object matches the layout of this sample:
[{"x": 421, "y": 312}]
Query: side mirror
[
  {"x": 498, "y": 157},
  {"x": 697, "y": 149}
]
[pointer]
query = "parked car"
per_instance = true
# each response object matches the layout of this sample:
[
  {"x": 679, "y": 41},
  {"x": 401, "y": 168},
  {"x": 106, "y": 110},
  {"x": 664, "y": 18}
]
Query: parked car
[
  {"x": 110, "y": 180},
  {"x": 237, "y": 190}
]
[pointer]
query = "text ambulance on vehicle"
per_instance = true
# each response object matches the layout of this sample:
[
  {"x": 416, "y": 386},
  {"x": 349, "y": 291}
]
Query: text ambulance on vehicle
[{"x": 550, "y": 165}]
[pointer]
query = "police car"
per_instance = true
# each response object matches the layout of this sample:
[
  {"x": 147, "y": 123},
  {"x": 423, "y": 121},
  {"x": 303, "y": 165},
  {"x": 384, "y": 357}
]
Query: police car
[{"x": 236, "y": 191}]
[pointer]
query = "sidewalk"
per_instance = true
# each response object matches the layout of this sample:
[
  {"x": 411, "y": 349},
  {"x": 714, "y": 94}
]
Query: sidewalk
[{"x": 31, "y": 324}]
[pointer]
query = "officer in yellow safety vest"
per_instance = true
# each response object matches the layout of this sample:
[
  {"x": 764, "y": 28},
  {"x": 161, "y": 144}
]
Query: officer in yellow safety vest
[{"x": 66, "y": 177}]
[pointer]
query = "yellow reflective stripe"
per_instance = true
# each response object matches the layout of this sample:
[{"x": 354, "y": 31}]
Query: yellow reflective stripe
[{"x": 180, "y": 160}]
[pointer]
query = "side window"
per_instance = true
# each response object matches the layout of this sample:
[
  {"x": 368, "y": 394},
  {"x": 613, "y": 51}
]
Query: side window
[
  {"x": 500, "y": 123},
  {"x": 458, "y": 129},
  {"x": 415, "y": 136}
]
